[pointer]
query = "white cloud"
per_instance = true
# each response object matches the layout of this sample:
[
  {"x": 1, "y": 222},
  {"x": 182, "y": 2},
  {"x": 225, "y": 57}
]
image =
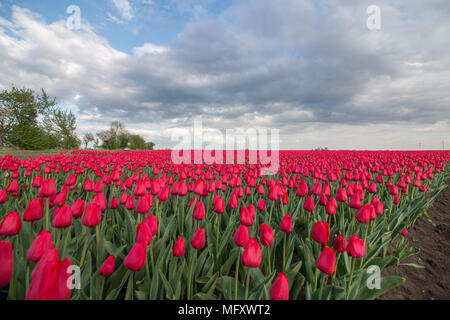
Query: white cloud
[
  {"x": 149, "y": 48},
  {"x": 336, "y": 85},
  {"x": 125, "y": 8}
]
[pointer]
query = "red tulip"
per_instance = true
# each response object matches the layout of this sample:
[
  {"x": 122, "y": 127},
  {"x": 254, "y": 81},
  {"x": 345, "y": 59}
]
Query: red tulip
[
  {"x": 286, "y": 224},
  {"x": 130, "y": 204},
  {"x": 6, "y": 264},
  {"x": 152, "y": 222},
  {"x": 114, "y": 203},
  {"x": 136, "y": 258},
  {"x": 309, "y": 204},
  {"x": 365, "y": 213},
  {"x": 331, "y": 207},
  {"x": 327, "y": 261},
  {"x": 62, "y": 218},
  {"x": 179, "y": 248},
  {"x": 143, "y": 206},
  {"x": 245, "y": 217},
  {"x": 252, "y": 254},
  {"x": 302, "y": 189},
  {"x": 280, "y": 288},
  {"x": 34, "y": 210},
  {"x": 3, "y": 196},
  {"x": 261, "y": 205},
  {"x": 108, "y": 266},
  {"x": 241, "y": 236},
  {"x": 219, "y": 205},
  {"x": 321, "y": 232},
  {"x": 356, "y": 247},
  {"x": 340, "y": 243},
  {"x": 199, "y": 211},
  {"x": 78, "y": 208},
  {"x": 404, "y": 232},
  {"x": 92, "y": 215},
  {"x": 341, "y": 195},
  {"x": 355, "y": 201},
  {"x": 198, "y": 239},
  {"x": 99, "y": 198},
  {"x": 47, "y": 189},
  {"x": 41, "y": 243},
  {"x": 10, "y": 224},
  {"x": 49, "y": 278},
  {"x": 265, "y": 235},
  {"x": 143, "y": 233}
]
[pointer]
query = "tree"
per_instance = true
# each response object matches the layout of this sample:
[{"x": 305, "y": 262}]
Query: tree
[
  {"x": 149, "y": 145},
  {"x": 137, "y": 142},
  {"x": 62, "y": 125},
  {"x": 88, "y": 137},
  {"x": 19, "y": 121}
]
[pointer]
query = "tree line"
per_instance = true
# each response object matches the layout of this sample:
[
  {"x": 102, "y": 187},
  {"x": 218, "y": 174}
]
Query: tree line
[
  {"x": 33, "y": 121},
  {"x": 117, "y": 137}
]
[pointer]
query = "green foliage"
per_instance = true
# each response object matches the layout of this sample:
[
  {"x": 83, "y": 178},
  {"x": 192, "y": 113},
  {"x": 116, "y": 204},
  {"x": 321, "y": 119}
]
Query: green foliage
[
  {"x": 137, "y": 142},
  {"x": 117, "y": 137},
  {"x": 32, "y": 121}
]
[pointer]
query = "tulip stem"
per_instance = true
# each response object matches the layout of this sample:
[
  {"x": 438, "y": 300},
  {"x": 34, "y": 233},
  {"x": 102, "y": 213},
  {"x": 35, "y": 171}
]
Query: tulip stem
[
  {"x": 236, "y": 276},
  {"x": 83, "y": 253},
  {"x": 158, "y": 213},
  {"x": 217, "y": 239},
  {"x": 324, "y": 277},
  {"x": 247, "y": 284},
  {"x": 349, "y": 287},
  {"x": 147, "y": 273},
  {"x": 271, "y": 209},
  {"x": 66, "y": 241},
  {"x": 129, "y": 289},
  {"x": 190, "y": 275},
  {"x": 47, "y": 217},
  {"x": 151, "y": 257},
  {"x": 284, "y": 253}
]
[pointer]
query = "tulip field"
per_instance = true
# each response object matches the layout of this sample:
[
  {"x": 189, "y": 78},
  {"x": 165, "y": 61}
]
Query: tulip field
[{"x": 87, "y": 225}]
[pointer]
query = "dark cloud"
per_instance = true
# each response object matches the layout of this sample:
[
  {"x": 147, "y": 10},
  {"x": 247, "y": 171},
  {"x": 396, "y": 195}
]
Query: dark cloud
[{"x": 262, "y": 63}]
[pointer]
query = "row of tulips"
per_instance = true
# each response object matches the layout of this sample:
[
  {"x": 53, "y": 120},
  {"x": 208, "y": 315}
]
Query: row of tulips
[{"x": 134, "y": 225}]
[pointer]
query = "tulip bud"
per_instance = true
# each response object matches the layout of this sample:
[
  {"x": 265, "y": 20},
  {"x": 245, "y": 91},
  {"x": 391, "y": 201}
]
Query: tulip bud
[
  {"x": 340, "y": 243},
  {"x": 135, "y": 259},
  {"x": 179, "y": 248},
  {"x": 309, "y": 204},
  {"x": 265, "y": 235},
  {"x": 327, "y": 261},
  {"x": 62, "y": 218},
  {"x": 286, "y": 224},
  {"x": 107, "y": 267},
  {"x": 198, "y": 239},
  {"x": 241, "y": 236},
  {"x": 7, "y": 263},
  {"x": 92, "y": 215},
  {"x": 252, "y": 254},
  {"x": 280, "y": 288},
  {"x": 321, "y": 232},
  {"x": 40, "y": 244},
  {"x": 10, "y": 224},
  {"x": 34, "y": 210},
  {"x": 356, "y": 247}
]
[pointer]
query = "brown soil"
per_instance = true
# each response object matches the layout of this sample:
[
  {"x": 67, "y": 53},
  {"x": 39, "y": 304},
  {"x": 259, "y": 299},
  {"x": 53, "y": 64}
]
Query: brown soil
[{"x": 432, "y": 282}]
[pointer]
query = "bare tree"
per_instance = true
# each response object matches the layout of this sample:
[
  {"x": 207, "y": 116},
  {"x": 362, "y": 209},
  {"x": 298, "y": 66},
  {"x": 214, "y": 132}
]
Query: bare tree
[{"x": 88, "y": 137}]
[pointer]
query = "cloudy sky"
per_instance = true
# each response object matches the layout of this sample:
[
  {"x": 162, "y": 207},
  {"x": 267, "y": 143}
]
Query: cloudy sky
[{"x": 312, "y": 69}]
